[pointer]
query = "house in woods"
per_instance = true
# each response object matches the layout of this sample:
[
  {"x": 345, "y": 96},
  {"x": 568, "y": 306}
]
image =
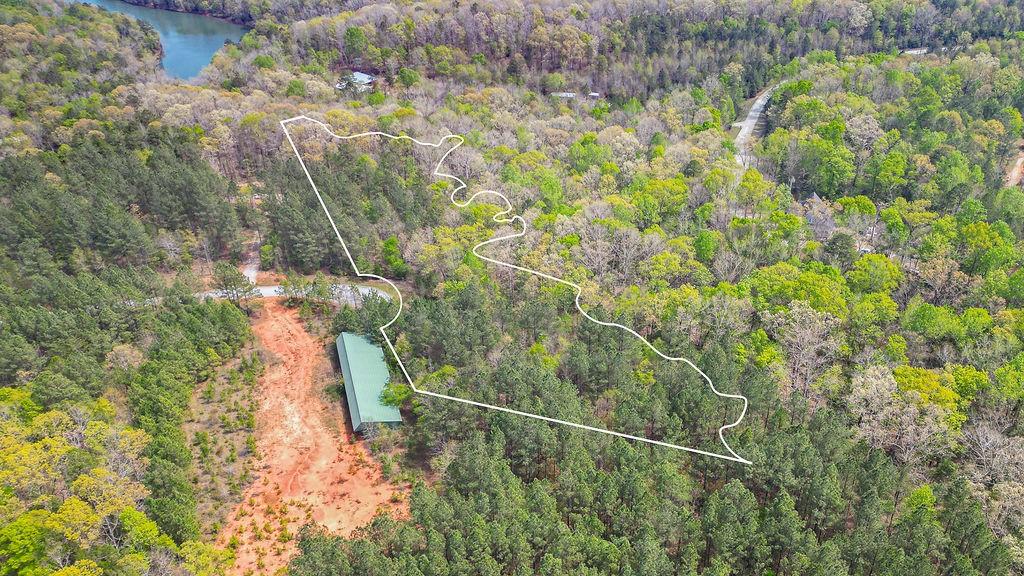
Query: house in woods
[
  {"x": 818, "y": 215},
  {"x": 366, "y": 375},
  {"x": 359, "y": 81}
]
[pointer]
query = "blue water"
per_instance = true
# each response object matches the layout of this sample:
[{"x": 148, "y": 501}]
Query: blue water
[{"x": 189, "y": 40}]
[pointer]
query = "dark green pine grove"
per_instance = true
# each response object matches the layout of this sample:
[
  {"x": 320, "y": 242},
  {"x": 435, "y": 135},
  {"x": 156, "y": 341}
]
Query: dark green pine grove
[
  {"x": 98, "y": 353},
  {"x": 79, "y": 323},
  {"x": 624, "y": 510}
]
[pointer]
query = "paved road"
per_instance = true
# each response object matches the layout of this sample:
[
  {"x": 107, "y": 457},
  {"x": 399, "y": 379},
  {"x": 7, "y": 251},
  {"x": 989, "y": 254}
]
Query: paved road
[
  {"x": 345, "y": 292},
  {"x": 744, "y": 155},
  {"x": 251, "y": 269}
]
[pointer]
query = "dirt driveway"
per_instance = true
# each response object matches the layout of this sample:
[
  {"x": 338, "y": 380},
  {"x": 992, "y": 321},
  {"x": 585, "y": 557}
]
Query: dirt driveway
[
  {"x": 310, "y": 467},
  {"x": 1013, "y": 175}
]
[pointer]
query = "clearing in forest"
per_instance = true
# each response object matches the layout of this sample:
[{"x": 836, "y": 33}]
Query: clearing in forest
[
  {"x": 311, "y": 468},
  {"x": 1016, "y": 170}
]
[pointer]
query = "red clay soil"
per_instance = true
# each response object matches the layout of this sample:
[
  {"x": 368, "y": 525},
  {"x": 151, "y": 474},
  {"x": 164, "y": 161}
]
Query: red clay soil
[
  {"x": 265, "y": 278},
  {"x": 311, "y": 467}
]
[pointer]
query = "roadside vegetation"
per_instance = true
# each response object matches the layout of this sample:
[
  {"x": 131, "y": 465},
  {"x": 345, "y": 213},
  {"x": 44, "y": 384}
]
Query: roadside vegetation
[{"x": 221, "y": 429}]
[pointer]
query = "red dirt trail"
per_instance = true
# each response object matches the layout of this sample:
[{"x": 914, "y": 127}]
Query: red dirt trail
[{"x": 311, "y": 468}]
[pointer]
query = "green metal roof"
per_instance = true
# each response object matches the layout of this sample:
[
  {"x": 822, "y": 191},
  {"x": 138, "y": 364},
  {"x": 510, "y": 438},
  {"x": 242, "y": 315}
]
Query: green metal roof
[{"x": 366, "y": 374}]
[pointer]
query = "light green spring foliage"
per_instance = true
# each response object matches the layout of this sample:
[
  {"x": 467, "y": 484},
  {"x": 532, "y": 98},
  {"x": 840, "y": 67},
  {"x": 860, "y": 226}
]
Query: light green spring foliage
[
  {"x": 73, "y": 490},
  {"x": 907, "y": 263}
]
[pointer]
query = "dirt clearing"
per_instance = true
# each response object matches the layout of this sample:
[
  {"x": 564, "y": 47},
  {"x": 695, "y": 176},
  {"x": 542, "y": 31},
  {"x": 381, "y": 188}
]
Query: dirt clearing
[
  {"x": 310, "y": 467},
  {"x": 1013, "y": 175}
]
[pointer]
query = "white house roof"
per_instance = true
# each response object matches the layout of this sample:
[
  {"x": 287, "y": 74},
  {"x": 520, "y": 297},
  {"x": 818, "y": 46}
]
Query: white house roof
[{"x": 362, "y": 78}]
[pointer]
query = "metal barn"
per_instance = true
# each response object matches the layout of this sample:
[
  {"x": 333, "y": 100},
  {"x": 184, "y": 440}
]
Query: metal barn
[{"x": 366, "y": 375}]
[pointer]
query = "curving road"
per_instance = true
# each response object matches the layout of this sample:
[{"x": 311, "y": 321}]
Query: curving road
[
  {"x": 343, "y": 294},
  {"x": 747, "y": 126},
  {"x": 347, "y": 292},
  {"x": 251, "y": 269}
]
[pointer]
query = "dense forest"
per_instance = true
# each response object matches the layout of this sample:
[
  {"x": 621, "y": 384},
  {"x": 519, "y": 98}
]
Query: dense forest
[
  {"x": 859, "y": 320},
  {"x": 860, "y": 282},
  {"x": 94, "y": 374},
  {"x": 619, "y": 48}
]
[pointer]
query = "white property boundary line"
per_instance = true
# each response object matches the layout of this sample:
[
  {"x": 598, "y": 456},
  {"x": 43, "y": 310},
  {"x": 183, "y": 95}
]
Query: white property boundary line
[{"x": 503, "y": 218}]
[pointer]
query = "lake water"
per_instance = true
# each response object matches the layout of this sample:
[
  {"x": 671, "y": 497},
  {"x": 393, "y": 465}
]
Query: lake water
[{"x": 189, "y": 40}]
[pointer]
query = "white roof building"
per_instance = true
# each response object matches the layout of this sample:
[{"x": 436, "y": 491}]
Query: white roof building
[{"x": 361, "y": 81}]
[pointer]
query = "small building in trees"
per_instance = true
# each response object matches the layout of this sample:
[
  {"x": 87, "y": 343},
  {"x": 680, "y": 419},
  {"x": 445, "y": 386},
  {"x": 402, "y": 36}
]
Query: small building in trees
[
  {"x": 366, "y": 375},
  {"x": 359, "y": 81}
]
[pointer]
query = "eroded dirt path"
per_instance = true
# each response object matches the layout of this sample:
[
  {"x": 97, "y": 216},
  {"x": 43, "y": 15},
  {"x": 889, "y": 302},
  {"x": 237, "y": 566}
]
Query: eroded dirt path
[
  {"x": 310, "y": 469},
  {"x": 1016, "y": 171}
]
